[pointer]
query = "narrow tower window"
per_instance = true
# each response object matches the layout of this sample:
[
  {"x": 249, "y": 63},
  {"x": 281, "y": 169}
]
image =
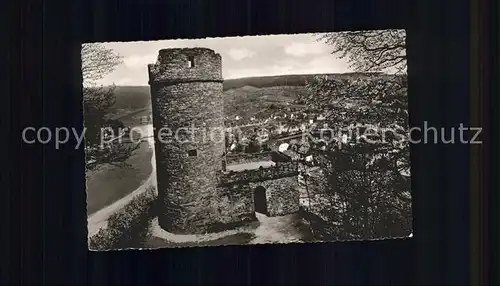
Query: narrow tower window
[
  {"x": 192, "y": 153},
  {"x": 190, "y": 61}
]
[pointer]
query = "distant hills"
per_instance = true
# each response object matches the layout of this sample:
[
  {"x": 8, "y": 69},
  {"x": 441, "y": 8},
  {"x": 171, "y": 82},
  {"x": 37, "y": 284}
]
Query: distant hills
[
  {"x": 245, "y": 97},
  {"x": 132, "y": 97},
  {"x": 280, "y": 80}
]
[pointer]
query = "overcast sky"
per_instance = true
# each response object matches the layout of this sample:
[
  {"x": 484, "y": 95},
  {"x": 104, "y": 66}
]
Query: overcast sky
[{"x": 241, "y": 57}]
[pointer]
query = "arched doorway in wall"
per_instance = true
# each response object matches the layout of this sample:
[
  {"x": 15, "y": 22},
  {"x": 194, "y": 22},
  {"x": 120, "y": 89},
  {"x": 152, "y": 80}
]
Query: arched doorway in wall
[{"x": 260, "y": 200}]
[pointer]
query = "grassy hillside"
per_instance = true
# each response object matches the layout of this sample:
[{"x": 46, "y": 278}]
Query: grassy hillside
[
  {"x": 245, "y": 101},
  {"x": 245, "y": 97},
  {"x": 279, "y": 80},
  {"x": 250, "y": 101},
  {"x": 132, "y": 97}
]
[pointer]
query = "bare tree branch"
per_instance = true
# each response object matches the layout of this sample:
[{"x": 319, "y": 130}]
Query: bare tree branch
[
  {"x": 97, "y": 62},
  {"x": 370, "y": 51}
]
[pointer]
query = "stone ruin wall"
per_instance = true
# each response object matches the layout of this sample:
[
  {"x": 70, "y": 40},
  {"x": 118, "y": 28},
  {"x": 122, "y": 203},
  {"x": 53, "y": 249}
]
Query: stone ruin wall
[
  {"x": 282, "y": 195},
  {"x": 171, "y": 66},
  {"x": 280, "y": 182},
  {"x": 280, "y": 170},
  {"x": 236, "y": 204},
  {"x": 182, "y": 96},
  {"x": 242, "y": 158},
  {"x": 195, "y": 195},
  {"x": 282, "y": 198},
  {"x": 237, "y": 188}
]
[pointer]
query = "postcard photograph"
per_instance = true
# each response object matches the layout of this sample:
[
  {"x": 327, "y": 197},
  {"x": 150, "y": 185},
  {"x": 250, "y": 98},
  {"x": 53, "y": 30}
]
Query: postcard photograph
[{"x": 296, "y": 138}]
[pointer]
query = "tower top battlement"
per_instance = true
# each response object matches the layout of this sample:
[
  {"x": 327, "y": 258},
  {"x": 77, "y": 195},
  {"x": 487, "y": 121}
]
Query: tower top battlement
[{"x": 181, "y": 65}]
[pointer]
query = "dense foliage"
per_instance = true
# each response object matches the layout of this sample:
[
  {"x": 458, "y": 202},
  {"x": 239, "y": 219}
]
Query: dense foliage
[
  {"x": 361, "y": 183},
  {"x": 97, "y": 62},
  {"x": 128, "y": 227},
  {"x": 363, "y": 156}
]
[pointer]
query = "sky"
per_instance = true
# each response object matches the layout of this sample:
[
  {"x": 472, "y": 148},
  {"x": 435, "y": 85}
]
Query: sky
[{"x": 241, "y": 57}]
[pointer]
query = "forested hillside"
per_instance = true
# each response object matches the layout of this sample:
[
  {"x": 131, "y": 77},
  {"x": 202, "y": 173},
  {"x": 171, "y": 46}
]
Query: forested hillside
[{"x": 244, "y": 97}]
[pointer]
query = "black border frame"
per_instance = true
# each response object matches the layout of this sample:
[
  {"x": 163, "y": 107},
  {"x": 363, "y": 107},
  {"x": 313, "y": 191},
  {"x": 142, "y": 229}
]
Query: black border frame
[{"x": 46, "y": 200}]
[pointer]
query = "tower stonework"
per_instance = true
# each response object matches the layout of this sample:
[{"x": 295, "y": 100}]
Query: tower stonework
[{"x": 186, "y": 96}]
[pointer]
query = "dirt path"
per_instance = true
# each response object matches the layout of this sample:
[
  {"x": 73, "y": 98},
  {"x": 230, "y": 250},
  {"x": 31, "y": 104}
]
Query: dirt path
[{"x": 283, "y": 229}]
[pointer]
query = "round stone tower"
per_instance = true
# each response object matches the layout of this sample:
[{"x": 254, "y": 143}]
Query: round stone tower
[{"x": 186, "y": 96}]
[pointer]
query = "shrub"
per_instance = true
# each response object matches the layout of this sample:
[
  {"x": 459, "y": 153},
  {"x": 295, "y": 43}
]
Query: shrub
[{"x": 129, "y": 226}]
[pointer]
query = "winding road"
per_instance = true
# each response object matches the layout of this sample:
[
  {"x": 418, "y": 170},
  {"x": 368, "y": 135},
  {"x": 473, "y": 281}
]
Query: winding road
[
  {"x": 98, "y": 219},
  {"x": 110, "y": 188}
]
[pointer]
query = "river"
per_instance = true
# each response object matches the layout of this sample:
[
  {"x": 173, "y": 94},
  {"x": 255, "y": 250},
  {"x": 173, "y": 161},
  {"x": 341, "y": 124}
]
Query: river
[{"x": 109, "y": 184}]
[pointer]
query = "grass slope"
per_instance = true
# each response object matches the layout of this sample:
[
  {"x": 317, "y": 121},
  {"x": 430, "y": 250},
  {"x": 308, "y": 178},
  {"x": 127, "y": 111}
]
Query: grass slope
[{"x": 245, "y": 97}]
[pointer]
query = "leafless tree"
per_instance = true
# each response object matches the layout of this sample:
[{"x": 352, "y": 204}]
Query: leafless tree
[
  {"x": 370, "y": 51},
  {"x": 97, "y": 62}
]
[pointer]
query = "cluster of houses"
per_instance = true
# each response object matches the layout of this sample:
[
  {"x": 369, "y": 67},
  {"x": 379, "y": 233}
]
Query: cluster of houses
[
  {"x": 242, "y": 131},
  {"x": 146, "y": 119}
]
